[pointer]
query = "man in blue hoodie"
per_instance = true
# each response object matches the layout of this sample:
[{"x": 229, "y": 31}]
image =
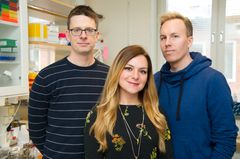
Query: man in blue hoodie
[{"x": 195, "y": 98}]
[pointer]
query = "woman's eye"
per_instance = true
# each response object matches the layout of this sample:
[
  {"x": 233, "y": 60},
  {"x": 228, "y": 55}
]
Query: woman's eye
[
  {"x": 128, "y": 68},
  {"x": 143, "y": 72}
]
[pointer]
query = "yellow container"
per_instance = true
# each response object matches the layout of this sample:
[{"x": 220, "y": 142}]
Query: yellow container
[
  {"x": 37, "y": 32},
  {"x": 31, "y": 78}
]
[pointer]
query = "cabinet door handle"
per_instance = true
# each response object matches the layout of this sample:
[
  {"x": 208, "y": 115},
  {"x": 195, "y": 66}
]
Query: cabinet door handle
[
  {"x": 213, "y": 37},
  {"x": 221, "y": 37}
]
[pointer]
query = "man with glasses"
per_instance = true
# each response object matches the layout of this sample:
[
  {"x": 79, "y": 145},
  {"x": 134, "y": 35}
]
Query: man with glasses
[{"x": 66, "y": 90}]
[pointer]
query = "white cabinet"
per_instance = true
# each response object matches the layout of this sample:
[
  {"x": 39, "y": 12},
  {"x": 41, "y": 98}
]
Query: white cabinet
[
  {"x": 42, "y": 54},
  {"x": 127, "y": 22},
  {"x": 14, "y": 72}
]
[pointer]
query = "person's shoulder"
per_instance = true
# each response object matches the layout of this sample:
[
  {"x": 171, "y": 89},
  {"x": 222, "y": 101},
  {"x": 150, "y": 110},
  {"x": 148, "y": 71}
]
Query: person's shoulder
[
  {"x": 102, "y": 65},
  {"x": 157, "y": 75},
  {"x": 213, "y": 73},
  {"x": 214, "y": 77}
]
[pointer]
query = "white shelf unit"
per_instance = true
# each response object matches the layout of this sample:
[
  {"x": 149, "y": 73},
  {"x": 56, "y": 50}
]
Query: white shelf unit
[{"x": 14, "y": 74}]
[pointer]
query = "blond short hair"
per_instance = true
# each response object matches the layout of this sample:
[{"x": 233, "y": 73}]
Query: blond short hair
[{"x": 175, "y": 15}]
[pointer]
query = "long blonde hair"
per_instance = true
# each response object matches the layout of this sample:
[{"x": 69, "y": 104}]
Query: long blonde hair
[{"x": 109, "y": 101}]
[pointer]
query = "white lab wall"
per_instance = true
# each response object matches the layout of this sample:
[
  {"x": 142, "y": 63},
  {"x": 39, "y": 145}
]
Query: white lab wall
[
  {"x": 128, "y": 22},
  {"x": 79, "y": 2},
  {"x": 139, "y": 22},
  {"x": 114, "y": 25}
]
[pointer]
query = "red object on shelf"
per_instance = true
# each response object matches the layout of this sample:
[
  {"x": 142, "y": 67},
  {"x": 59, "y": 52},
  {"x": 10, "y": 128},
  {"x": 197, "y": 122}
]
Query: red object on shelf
[
  {"x": 62, "y": 39},
  {"x": 61, "y": 35}
]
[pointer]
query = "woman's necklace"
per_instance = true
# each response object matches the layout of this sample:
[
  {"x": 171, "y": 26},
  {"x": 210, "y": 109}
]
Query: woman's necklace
[
  {"x": 138, "y": 125},
  {"x": 129, "y": 130}
]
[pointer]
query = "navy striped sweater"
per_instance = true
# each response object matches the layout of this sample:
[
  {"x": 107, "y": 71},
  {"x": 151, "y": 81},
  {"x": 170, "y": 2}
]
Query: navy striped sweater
[{"x": 59, "y": 101}]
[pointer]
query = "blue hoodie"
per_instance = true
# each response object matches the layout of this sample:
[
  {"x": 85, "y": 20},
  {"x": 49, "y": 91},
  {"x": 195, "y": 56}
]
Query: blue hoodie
[{"x": 197, "y": 103}]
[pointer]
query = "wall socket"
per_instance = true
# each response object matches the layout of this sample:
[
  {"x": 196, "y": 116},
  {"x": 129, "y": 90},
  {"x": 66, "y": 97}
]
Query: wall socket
[{"x": 12, "y": 100}]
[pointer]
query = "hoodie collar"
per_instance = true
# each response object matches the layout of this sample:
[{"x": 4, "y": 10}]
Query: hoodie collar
[{"x": 199, "y": 63}]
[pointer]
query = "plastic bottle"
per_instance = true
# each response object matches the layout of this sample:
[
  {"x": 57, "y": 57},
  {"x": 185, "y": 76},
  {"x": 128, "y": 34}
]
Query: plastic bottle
[{"x": 62, "y": 39}]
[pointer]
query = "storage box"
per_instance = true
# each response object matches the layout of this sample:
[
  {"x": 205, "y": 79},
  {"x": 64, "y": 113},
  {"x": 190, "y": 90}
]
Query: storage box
[
  {"x": 37, "y": 32},
  {"x": 8, "y": 50},
  {"x": 53, "y": 31},
  {"x": 8, "y": 43},
  {"x": 7, "y": 58}
]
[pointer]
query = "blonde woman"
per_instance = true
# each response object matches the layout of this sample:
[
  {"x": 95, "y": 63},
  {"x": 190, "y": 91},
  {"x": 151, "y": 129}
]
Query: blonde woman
[{"x": 127, "y": 123}]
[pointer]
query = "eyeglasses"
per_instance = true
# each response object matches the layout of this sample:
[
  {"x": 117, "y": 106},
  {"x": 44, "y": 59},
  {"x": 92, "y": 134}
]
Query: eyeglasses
[{"x": 78, "y": 31}]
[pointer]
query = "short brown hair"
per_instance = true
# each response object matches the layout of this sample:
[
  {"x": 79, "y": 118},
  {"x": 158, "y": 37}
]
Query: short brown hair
[
  {"x": 84, "y": 10},
  {"x": 175, "y": 15}
]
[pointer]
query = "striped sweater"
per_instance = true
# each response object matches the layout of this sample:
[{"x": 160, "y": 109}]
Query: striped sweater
[{"x": 59, "y": 101}]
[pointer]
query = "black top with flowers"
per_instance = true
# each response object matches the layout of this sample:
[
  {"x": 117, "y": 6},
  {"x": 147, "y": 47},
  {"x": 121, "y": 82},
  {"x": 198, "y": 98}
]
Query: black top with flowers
[{"x": 120, "y": 145}]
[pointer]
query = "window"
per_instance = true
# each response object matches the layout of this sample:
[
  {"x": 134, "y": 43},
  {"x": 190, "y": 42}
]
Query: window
[{"x": 230, "y": 61}]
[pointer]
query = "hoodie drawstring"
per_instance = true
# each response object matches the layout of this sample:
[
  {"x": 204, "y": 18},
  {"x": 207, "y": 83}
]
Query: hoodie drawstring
[
  {"x": 160, "y": 84},
  {"x": 179, "y": 97}
]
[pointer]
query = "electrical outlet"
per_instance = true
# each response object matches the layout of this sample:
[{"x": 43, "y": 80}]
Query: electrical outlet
[{"x": 12, "y": 100}]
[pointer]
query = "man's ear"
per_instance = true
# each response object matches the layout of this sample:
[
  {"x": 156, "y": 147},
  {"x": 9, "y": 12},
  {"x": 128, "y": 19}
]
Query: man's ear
[
  {"x": 68, "y": 35},
  {"x": 98, "y": 35},
  {"x": 190, "y": 41}
]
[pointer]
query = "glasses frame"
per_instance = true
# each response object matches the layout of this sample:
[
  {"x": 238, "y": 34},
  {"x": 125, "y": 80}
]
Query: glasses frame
[{"x": 84, "y": 30}]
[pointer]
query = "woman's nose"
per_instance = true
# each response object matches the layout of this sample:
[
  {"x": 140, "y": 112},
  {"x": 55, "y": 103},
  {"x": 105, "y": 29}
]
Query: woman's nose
[{"x": 135, "y": 74}]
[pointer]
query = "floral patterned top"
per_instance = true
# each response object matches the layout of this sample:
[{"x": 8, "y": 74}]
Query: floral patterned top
[{"x": 120, "y": 145}]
